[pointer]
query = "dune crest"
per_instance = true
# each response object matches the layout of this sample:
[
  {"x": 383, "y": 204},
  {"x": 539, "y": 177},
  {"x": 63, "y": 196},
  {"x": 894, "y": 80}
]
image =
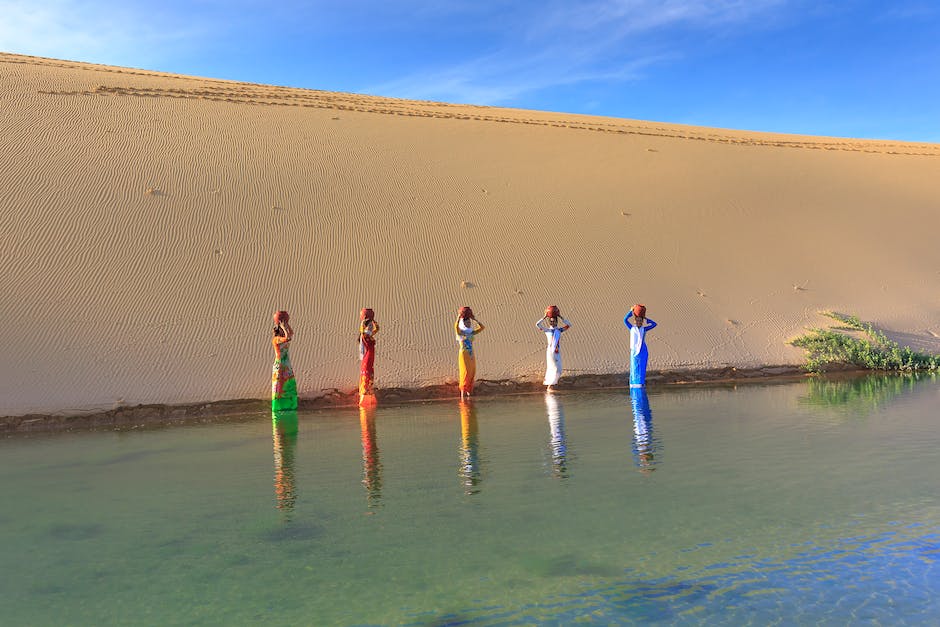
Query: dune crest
[{"x": 152, "y": 222}]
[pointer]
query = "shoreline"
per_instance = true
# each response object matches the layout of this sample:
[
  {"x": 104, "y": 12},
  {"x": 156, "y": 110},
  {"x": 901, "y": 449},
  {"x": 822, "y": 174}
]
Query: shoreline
[
  {"x": 157, "y": 415},
  {"x": 153, "y": 283}
]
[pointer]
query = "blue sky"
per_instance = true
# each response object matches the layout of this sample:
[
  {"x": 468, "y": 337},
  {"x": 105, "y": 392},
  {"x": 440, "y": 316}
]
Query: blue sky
[{"x": 852, "y": 68}]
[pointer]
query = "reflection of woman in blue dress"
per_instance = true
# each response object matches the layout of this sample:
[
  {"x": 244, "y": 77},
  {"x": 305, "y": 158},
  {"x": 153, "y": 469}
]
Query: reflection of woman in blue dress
[
  {"x": 639, "y": 354},
  {"x": 643, "y": 443}
]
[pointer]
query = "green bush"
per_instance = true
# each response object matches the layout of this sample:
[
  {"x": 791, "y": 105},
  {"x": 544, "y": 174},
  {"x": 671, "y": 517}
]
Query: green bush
[
  {"x": 860, "y": 396},
  {"x": 877, "y": 352}
]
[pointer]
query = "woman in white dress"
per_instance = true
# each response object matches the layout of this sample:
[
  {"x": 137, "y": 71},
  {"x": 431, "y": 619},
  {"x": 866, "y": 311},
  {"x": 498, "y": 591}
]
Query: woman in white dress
[{"x": 553, "y": 325}]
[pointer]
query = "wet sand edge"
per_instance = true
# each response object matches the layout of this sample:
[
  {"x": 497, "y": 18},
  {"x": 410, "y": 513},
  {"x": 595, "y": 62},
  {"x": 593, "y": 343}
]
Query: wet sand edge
[{"x": 149, "y": 416}]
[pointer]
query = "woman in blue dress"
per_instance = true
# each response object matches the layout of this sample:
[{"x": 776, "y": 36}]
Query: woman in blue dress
[{"x": 639, "y": 354}]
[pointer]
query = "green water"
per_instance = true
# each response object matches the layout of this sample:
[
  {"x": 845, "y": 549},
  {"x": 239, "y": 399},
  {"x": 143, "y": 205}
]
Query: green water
[{"x": 807, "y": 503}]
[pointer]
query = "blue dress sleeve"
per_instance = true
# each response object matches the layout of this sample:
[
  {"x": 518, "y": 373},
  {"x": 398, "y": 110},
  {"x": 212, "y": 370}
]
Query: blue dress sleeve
[
  {"x": 651, "y": 326},
  {"x": 626, "y": 320}
]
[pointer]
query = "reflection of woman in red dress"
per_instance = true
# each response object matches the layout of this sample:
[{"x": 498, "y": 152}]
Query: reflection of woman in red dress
[
  {"x": 367, "y": 330},
  {"x": 371, "y": 466}
]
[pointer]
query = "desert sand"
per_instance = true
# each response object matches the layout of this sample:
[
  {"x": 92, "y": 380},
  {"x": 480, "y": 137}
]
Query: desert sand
[{"x": 151, "y": 223}]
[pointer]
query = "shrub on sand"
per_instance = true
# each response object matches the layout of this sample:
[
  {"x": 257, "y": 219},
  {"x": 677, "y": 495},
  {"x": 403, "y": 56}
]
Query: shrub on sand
[{"x": 873, "y": 352}]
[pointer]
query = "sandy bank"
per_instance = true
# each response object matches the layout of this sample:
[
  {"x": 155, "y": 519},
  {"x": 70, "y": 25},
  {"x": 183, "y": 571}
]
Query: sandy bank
[
  {"x": 151, "y": 223},
  {"x": 152, "y": 416}
]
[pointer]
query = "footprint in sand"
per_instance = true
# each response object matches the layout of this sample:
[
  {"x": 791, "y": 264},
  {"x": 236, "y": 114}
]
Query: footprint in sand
[{"x": 466, "y": 284}]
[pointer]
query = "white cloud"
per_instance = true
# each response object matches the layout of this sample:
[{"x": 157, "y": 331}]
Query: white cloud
[
  {"x": 499, "y": 78},
  {"x": 910, "y": 11},
  {"x": 116, "y": 33},
  {"x": 504, "y": 49},
  {"x": 626, "y": 16},
  {"x": 564, "y": 43}
]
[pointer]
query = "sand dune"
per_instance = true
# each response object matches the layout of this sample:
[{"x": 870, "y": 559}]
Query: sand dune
[{"x": 151, "y": 223}]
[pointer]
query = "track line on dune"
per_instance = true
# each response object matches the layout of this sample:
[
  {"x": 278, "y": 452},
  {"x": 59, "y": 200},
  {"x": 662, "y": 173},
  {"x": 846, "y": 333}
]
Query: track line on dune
[{"x": 263, "y": 95}]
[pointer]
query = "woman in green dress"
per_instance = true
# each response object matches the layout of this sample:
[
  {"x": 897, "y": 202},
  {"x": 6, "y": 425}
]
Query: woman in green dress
[{"x": 283, "y": 384}]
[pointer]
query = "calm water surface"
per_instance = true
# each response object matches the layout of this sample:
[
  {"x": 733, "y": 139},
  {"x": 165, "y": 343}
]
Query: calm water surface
[{"x": 808, "y": 503}]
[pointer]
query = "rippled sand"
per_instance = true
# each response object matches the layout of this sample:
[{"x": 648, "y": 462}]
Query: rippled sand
[{"x": 152, "y": 222}]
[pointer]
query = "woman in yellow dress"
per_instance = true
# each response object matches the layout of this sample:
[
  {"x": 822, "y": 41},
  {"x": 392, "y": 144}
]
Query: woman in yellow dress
[{"x": 467, "y": 327}]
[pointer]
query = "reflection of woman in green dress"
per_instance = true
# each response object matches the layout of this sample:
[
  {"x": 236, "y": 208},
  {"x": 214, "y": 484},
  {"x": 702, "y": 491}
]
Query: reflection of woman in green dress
[
  {"x": 285, "y": 442},
  {"x": 283, "y": 384}
]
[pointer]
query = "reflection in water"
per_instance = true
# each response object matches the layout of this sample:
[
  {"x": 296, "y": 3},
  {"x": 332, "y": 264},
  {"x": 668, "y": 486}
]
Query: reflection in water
[
  {"x": 556, "y": 422},
  {"x": 469, "y": 448},
  {"x": 758, "y": 513},
  {"x": 863, "y": 395},
  {"x": 285, "y": 444},
  {"x": 371, "y": 465},
  {"x": 644, "y": 445}
]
